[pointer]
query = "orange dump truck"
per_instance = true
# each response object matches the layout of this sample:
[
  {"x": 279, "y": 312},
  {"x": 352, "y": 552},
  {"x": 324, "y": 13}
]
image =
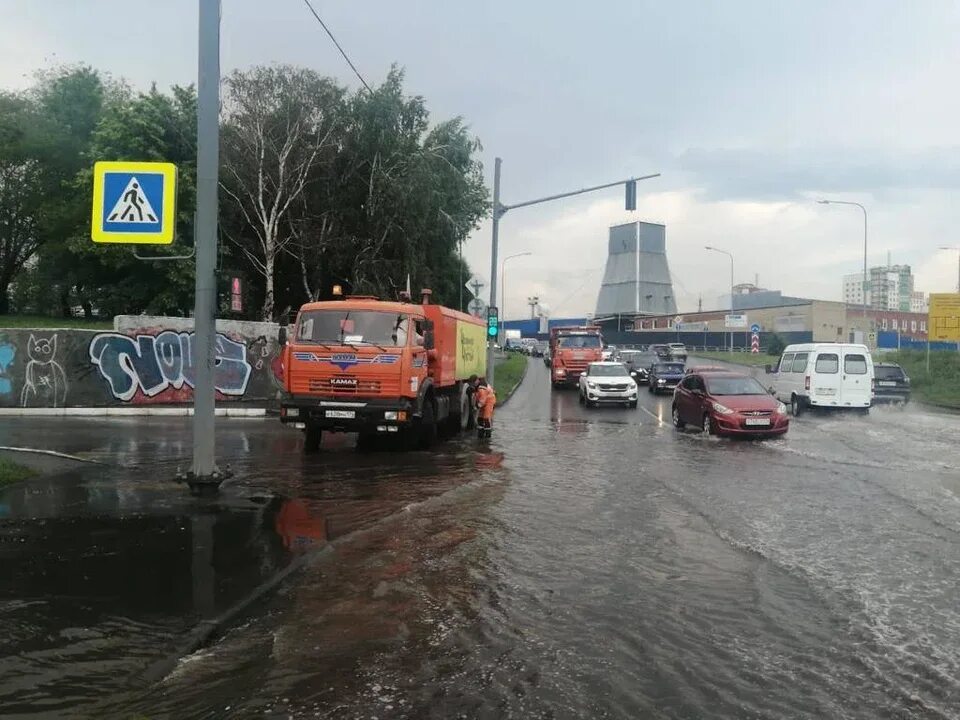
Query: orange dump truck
[
  {"x": 375, "y": 367},
  {"x": 571, "y": 350}
]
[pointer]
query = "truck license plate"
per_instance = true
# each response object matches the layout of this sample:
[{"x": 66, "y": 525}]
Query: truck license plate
[
  {"x": 342, "y": 414},
  {"x": 757, "y": 421},
  {"x": 887, "y": 383}
]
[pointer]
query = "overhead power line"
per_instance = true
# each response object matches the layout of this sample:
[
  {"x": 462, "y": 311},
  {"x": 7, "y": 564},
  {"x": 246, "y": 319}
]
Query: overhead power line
[{"x": 342, "y": 51}]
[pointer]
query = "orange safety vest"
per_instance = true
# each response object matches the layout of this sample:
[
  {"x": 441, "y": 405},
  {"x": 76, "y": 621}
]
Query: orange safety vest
[
  {"x": 487, "y": 404},
  {"x": 479, "y": 395}
]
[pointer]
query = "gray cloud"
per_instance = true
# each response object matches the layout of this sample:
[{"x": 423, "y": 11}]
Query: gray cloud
[{"x": 778, "y": 174}]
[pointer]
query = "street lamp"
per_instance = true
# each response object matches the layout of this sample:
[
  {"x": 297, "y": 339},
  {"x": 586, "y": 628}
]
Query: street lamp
[
  {"x": 865, "y": 283},
  {"x": 951, "y": 247},
  {"x": 729, "y": 255},
  {"x": 503, "y": 288}
]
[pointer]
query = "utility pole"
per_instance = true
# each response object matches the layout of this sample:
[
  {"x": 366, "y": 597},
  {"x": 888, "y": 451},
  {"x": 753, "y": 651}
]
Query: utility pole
[
  {"x": 204, "y": 475},
  {"x": 500, "y": 209},
  {"x": 533, "y": 302}
]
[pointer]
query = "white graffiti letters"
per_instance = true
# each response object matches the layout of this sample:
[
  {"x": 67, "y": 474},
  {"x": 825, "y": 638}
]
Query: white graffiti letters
[{"x": 152, "y": 364}]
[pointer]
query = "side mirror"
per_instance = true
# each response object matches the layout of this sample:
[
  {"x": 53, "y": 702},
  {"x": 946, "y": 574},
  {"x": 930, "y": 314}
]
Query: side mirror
[
  {"x": 429, "y": 341},
  {"x": 282, "y": 336},
  {"x": 772, "y": 391},
  {"x": 769, "y": 369},
  {"x": 633, "y": 373}
]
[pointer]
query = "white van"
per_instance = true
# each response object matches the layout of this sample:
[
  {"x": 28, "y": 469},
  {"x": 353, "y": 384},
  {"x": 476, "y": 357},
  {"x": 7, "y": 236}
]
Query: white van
[{"x": 827, "y": 375}]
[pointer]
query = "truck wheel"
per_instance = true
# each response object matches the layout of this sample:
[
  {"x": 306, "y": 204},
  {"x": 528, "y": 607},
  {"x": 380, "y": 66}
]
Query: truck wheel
[
  {"x": 463, "y": 419},
  {"x": 428, "y": 425},
  {"x": 312, "y": 435}
]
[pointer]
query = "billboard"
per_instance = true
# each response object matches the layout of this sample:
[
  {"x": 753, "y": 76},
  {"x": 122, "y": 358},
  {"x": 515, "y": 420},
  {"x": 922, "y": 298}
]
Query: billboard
[{"x": 943, "y": 320}]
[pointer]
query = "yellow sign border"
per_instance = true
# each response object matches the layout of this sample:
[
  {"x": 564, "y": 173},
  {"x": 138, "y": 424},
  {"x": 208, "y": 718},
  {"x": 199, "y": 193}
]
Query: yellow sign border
[{"x": 168, "y": 211}]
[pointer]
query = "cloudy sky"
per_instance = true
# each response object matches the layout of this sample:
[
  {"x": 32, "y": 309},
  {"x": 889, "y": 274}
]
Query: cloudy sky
[{"x": 749, "y": 109}]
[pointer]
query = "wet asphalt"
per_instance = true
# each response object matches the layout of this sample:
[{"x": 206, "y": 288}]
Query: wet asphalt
[{"x": 585, "y": 563}]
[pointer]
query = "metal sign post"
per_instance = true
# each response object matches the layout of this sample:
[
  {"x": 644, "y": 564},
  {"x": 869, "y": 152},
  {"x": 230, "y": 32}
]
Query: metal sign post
[
  {"x": 204, "y": 475},
  {"x": 499, "y": 210}
]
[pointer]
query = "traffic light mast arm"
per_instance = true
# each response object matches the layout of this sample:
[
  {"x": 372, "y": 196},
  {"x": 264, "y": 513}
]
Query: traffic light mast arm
[{"x": 503, "y": 208}]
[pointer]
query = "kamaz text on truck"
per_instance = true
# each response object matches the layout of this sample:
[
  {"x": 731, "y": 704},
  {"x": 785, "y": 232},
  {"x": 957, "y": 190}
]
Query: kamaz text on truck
[
  {"x": 375, "y": 367},
  {"x": 571, "y": 350}
]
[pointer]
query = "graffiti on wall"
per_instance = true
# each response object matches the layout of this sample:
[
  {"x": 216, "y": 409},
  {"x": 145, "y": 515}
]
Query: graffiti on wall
[
  {"x": 8, "y": 351},
  {"x": 159, "y": 368},
  {"x": 45, "y": 382}
]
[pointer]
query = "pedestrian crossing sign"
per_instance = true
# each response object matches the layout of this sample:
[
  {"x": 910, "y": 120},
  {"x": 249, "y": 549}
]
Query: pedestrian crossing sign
[{"x": 134, "y": 202}]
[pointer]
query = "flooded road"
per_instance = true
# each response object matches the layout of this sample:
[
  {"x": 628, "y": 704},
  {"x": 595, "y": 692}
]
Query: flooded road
[{"x": 587, "y": 563}]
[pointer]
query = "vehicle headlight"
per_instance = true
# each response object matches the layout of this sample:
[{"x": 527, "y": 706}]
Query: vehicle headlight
[
  {"x": 390, "y": 415},
  {"x": 631, "y": 386},
  {"x": 661, "y": 381},
  {"x": 591, "y": 385},
  {"x": 781, "y": 409},
  {"x": 722, "y": 409}
]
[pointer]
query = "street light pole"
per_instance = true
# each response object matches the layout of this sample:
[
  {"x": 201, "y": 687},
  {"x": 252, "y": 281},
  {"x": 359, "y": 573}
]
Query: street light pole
[
  {"x": 204, "y": 474},
  {"x": 503, "y": 289},
  {"x": 729, "y": 255},
  {"x": 865, "y": 282}
]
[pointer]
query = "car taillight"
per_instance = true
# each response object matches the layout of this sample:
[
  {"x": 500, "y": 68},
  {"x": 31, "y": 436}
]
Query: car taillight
[{"x": 806, "y": 383}]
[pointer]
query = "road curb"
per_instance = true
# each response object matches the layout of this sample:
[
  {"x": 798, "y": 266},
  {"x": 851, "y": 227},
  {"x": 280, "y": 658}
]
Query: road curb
[
  {"x": 512, "y": 390},
  {"x": 138, "y": 411}
]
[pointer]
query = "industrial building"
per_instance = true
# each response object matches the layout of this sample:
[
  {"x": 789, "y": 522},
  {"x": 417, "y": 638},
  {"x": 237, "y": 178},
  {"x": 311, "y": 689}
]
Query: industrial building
[{"x": 636, "y": 279}]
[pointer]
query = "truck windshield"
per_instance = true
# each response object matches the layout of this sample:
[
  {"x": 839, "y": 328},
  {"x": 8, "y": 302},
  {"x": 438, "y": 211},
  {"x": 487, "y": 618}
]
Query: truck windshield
[
  {"x": 353, "y": 327},
  {"x": 578, "y": 341}
]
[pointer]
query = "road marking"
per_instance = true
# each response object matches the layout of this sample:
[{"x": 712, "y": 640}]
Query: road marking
[{"x": 655, "y": 417}]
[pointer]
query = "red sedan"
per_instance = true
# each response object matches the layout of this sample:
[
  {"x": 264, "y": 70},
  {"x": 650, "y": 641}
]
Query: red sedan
[{"x": 728, "y": 403}]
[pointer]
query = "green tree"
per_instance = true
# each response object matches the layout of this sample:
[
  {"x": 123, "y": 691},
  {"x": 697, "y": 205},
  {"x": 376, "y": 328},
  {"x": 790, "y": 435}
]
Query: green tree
[
  {"x": 150, "y": 126},
  {"x": 20, "y": 192},
  {"x": 400, "y": 199},
  {"x": 278, "y": 130}
]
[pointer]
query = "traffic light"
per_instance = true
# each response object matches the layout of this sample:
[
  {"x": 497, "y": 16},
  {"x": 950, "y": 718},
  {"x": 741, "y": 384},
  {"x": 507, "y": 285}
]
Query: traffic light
[
  {"x": 493, "y": 322},
  {"x": 631, "y": 194}
]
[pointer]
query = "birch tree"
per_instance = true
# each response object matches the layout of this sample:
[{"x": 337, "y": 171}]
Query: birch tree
[{"x": 278, "y": 129}]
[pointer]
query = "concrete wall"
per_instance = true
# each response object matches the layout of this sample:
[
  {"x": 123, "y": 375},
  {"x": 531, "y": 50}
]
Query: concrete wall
[{"x": 144, "y": 361}]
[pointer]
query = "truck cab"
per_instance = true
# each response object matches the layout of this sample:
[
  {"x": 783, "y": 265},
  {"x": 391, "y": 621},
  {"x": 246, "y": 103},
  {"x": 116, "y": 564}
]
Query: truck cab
[
  {"x": 378, "y": 367},
  {"x": 572, "y": 349}
]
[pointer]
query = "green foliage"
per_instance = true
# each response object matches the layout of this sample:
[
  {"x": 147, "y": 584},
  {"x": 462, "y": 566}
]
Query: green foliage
[
  {"x": 11, "y": 472},
  {"x": 509, "y": 372},
  {"x": 939, "y": 386},
  {"x": 776, "y": 345},
  {"x": 320, "y": 186}
]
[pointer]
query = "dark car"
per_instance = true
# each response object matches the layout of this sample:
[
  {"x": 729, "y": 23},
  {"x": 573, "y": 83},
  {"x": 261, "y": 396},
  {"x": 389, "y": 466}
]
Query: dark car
[
  {"x": 664, "y": 376},
  {"x": 661, "y": 351},
  {"x": 638, "y": 362},
  {"x": 728, "y": 403},
  {"x": 890, "y": 384}
]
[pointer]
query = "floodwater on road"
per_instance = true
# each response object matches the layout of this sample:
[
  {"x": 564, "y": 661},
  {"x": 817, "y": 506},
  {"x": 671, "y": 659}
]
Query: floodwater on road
[{"x": 586, "y": 563}]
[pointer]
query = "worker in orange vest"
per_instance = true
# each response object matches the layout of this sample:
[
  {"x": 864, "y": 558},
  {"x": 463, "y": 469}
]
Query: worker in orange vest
[{"x": 486, "y": 402}]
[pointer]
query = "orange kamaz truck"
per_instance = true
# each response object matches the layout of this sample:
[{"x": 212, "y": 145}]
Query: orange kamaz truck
[
  {"x": 571, "y": 350},
  {"x": 376, "y": 367}
]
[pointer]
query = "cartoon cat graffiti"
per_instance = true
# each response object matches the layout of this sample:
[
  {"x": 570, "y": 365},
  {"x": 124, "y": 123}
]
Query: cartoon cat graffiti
[{"x": 45, "y": 383}]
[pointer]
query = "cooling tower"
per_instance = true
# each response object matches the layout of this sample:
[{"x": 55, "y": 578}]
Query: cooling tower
[{"x": 621, "y": 292}]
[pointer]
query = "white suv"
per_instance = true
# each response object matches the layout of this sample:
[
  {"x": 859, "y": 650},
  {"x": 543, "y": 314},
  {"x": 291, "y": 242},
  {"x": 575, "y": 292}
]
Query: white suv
[{"x": 607, "y": 382}]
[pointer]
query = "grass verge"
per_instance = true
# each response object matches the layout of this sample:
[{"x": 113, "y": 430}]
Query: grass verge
[
  {"x": 739, "y": 358},
  {"x": 43, "y": 321},
  {"x": 509, "y": 370},
  {"x": 11, "y": 472},
  {"x": 941, "y": 386}
]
